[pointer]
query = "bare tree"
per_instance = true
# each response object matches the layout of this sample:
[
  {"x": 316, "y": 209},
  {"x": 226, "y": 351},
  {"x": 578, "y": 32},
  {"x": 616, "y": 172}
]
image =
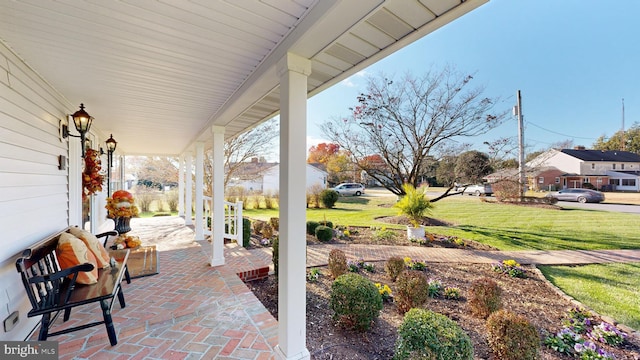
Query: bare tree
[
  {"x": 403, "y": 121},
  {"x": 255, "y": 143}
]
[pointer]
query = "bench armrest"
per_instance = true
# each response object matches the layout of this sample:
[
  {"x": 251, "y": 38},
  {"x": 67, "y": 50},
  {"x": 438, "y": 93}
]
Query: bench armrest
[
  {"x": 52, "y": 282},
  {"x": 106, "y": 236}
]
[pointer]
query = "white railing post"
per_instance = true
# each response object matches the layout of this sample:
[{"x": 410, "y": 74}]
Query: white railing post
[{"x": 239, "y": 224}]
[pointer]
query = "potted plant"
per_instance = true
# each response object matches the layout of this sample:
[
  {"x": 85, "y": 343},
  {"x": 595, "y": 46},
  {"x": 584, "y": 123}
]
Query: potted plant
[
  {"x": 121, "y": 208},
  {"x": 414, "y": 204}
]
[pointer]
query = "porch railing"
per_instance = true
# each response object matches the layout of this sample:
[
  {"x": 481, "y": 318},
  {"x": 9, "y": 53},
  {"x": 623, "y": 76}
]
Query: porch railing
[{"x": 232, "y": 219}]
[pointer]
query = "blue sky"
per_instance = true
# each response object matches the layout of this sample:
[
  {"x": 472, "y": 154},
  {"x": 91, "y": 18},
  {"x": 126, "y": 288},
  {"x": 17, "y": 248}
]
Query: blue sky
[{"x": 573, "y": 61}]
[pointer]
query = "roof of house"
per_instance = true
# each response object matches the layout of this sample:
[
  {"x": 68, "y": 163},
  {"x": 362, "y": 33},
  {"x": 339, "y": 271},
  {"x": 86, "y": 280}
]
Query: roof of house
[{"x": 602, "y": 155}]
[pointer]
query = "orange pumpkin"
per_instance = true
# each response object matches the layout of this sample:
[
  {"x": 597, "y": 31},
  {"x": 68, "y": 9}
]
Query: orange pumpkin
[{"x": 122, "y": 195}]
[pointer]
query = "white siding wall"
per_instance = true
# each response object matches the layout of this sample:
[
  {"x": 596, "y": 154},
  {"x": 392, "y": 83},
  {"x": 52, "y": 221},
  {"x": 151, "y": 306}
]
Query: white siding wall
[
  {"x": 34, "y": 198},
  {"x": 316, "y": 176}
]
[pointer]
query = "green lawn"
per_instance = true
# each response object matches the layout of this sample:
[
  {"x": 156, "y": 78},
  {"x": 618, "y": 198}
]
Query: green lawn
[{"x": 612, "y": 289}]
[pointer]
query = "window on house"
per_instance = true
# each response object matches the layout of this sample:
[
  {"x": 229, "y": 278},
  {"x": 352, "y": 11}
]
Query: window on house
[
  {"x": 599, "y": 181},
  {"x": 593, "y": 166},
  {"x": 628, "y": 182},
  {"x": 621, "y": 166},
  {"x": 613, "y": 166},
  {"x": 614, "y": 181},
  {"x": 585, "y": 180},
  {"x": 557, "y": 180},
  {"x": 541, "y": 180}
]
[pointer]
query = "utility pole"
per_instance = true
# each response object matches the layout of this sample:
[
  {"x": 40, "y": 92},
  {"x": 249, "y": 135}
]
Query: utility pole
[
  {"x": 517, "y": 111},
  {"x": 623, "y": 141}
]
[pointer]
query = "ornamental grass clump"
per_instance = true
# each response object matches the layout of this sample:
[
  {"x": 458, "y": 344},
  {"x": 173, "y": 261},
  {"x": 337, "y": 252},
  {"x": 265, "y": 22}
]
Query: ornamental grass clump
[
  {"x": 394, "y": 266},
  {"x": 512, "y": 337},
  {"x": 414, "y": 204},
  {"x": 337, "y": 263},
  {"x": 412, "y": 290},
  {"x": 425, "y": 334},
  {"x": 355, "y": 301},
  {"x": 485, "y": 297}
]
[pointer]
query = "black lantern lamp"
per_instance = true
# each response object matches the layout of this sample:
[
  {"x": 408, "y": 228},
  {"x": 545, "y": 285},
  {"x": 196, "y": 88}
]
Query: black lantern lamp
[
  {"x": 82, "y": 121},
  {"x": 111, "y": 147}
]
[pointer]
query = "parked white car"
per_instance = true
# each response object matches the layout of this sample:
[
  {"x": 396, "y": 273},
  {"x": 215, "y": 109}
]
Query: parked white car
[
  {"x": 477, "y": 190},
  {"x": 346, "y": 189}
]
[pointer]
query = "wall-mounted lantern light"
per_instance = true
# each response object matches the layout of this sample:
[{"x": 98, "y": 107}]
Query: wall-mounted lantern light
[
  {"x": 111, "y": 147},
  {"x": 82, "y": 121}
]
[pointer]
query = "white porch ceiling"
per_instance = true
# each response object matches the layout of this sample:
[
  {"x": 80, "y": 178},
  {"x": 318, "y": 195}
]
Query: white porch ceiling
[{"x": 159, "y": 73}]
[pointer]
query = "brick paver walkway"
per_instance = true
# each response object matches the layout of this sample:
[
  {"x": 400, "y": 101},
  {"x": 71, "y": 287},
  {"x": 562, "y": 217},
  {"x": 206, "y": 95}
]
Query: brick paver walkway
[{"x": 317, "y": 255}]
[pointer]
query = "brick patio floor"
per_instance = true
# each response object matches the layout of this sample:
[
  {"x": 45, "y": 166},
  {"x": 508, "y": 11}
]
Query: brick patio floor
[{"x": 191, "y": 310}]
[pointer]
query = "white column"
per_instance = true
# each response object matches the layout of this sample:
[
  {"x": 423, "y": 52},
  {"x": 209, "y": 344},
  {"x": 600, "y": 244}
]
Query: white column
[
  {"x": 188, "y": 199},
  {"x": 217, "y": 194},
  {"x": 293, "y": 71},
  {"x": 199, "y": 191},
  {"x": 181, "y": 186}
]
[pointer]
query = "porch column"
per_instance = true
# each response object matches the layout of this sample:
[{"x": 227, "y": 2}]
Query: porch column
[
  {"x": 293, "y": 71},
  {"x": 188, "y": 199},
  {"x": 181, "y": 186},
  {"x": 217, "y": 194},
  {"x": 199, "y": 191}
]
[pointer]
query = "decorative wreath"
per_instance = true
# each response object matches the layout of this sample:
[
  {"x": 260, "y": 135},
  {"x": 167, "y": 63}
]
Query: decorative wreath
[{"x": 92, "y": 179}]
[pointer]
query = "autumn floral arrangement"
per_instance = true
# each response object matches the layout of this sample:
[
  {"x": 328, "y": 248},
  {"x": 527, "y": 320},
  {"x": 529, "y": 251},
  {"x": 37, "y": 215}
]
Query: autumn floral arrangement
[
  {"x": 92, "y": 179},
  {"x": 121, "y": 204}
]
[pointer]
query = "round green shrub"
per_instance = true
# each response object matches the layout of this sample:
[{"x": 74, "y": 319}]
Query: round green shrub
[
  {"x": 337, "y": 263},
  {"x": 512, "y": 337},
  {"x": 311, "y": 227},
  {"x": 329, "y": 198},
  {"x": 324, "y": 233},
  {"x": 246, "y": 232},
  {"x": 412, "y": 290},
  {"x": 485, "y": 297},
  {"x": 425, "y": 334},
  {"x": 355, "y": 301},
  {"x": 394, "y": 266}
]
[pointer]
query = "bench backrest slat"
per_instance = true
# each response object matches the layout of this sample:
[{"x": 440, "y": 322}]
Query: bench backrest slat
[{"x": 37, "y": 262}]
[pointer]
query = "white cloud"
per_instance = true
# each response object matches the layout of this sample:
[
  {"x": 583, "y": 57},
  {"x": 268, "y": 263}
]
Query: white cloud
[{"x": 351, "y": 81}]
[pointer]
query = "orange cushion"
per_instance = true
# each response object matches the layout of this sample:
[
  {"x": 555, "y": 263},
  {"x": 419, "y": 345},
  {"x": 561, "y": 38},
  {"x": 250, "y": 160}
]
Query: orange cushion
[
  {"x": 93, "y": 244},
  {"x": 70, "y": 252}
]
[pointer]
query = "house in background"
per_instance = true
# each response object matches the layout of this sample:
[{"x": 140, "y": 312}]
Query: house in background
[
  {"x": 605, "y": 170},
  {"x": 546, "y": 178},
  {"x": 264, "y": 177}
]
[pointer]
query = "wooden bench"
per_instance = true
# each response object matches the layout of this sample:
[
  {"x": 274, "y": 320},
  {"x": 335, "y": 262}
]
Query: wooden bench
[{"x": 52, "y": 290}]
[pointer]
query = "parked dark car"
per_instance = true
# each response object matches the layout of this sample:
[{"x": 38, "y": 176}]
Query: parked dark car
[{"x": 579, "y": 195}]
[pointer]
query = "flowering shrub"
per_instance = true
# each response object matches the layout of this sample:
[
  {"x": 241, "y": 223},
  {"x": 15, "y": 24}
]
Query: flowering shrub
[
  {"x": 92, "y": 179},
  {"x": 435, "y": 288},
  {"x": 573, "y": 339},
  {"x": 589, "y": 351},
  {"x": 607, "y": 334},
  {"x": 579, "y": 320},
  {"x": 414, "y": 264},
  {"x": 384, "y": 290},
  {"x": 452, "y": 293},
  {"x": 509, "y": 267},
  {"x": 313, "y": 275},
  {"x": 382, "y": 234}
]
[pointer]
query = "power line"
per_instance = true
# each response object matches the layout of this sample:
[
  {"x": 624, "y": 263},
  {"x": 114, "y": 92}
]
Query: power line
[{"x": 557, "y": 133}]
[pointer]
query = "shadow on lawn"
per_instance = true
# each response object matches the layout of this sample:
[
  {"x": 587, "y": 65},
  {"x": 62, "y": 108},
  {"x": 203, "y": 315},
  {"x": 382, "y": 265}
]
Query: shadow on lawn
[{"x": 548, "y": 239}]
